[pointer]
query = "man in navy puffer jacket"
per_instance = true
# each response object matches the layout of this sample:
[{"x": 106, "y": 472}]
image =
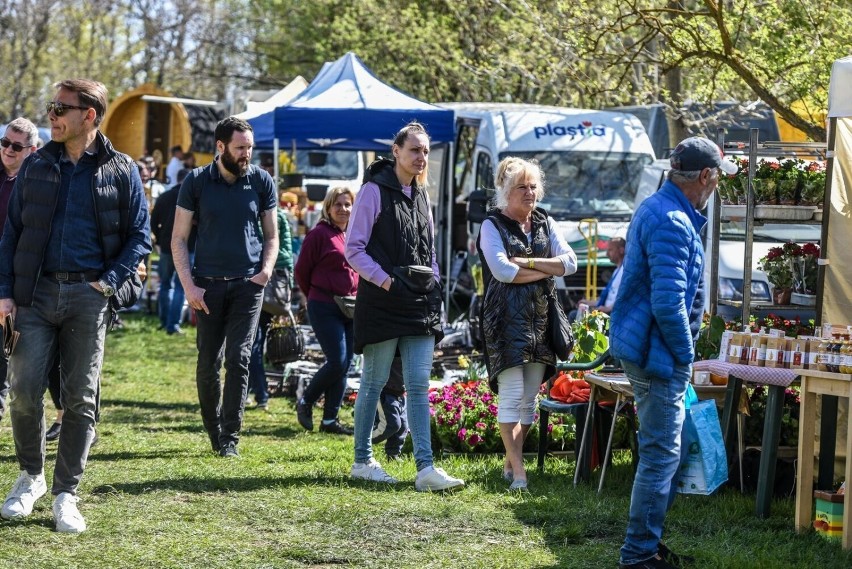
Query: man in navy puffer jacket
[{"x": 654, "y": 326}]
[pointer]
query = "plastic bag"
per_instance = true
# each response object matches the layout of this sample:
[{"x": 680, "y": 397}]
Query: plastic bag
[{"x": 704, "y": 462}]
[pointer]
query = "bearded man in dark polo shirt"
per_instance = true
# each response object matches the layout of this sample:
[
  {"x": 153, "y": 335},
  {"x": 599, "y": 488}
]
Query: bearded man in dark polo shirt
[
  {"x": 77, "y": 227},
  {"x": 231, "y": 200}
]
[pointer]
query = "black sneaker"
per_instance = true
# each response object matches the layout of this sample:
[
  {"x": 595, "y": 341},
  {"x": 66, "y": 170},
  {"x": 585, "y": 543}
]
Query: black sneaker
[
  {"x": 672, "y": 558},
  {"x": 53, "y": 432},
  {"x": 305, "y": 415},
  {"x": 229, "y": 451},
  {"x": 655, "y": 562},
  {"x": 335, "y": 428}
]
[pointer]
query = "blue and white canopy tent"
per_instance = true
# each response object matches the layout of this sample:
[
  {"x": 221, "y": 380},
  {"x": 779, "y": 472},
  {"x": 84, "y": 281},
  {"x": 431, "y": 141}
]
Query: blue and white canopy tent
[{"x": 346, "y": 107}]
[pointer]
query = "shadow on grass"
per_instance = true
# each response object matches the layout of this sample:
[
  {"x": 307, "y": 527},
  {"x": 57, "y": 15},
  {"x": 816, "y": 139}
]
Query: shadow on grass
[
  {"x": 169, "y": 453},
  {"x": 578, "y": 524},
  {"x": 151, "y": 405},
  {"x": 249, "y": 484}
]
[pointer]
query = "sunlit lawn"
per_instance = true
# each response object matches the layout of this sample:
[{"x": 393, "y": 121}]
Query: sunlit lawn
[{"x": 155, "y": 496}]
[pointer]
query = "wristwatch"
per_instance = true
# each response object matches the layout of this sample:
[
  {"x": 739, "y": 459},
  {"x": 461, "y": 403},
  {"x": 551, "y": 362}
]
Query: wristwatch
[
  {"x": 530, "y": 263},
  {"x": 106, "y": 289}
]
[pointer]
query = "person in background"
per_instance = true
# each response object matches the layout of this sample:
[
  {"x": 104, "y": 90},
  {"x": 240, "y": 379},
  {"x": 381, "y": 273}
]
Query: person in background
[
  {"x": 283, "y": 271},
  {"x": 234, "y": 259},
  {"x": 59, "y": 272},
  {"x": 523, "y": 252},
  {"x": 615, "y": 253},
  {"x": 322, "y": 273},
  {"x": 653, "y": 330},
  {"x": 170, "y": 297},
  {"x": 390, "y": 425},
  {"x": 153, "y": 188},
  {"x": 391, "y": 232},
  {"x": 174, "y": 166},
  {"x": 189, "y": 161},
  {"x": 18, "y": 142}
]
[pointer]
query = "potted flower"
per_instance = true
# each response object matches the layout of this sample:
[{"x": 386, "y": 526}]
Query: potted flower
[
  {"x": 787, "y": 176},
  {"x": 778, "y": 266},
  {"x": 813, "y": 186},
  {"x": 765, "y": 182},
  {"x": 805, "y": 274},
  {"x": 732, "y": 187}
]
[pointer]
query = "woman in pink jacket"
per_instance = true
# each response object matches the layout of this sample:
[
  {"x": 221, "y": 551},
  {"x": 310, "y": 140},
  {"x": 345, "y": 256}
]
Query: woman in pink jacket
[{"x": 322, "y": 273}]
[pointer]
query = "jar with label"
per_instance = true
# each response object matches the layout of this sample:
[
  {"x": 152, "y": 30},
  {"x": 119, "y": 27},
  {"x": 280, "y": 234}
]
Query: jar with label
[
  {"x": 845, "y": 357},
  {"x": 824, "y": 354},
  {"x": 834, "y": 357},
  {"x": 797, "y": 355}
]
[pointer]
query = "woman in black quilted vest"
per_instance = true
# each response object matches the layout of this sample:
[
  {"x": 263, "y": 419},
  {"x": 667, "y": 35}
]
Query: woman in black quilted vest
[
  {"x": 523, "y": 250},
  {"x": 391, "y": 245}
]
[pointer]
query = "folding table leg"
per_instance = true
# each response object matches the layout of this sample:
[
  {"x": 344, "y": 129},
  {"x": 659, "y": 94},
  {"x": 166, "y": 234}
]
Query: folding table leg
[
  {"x": 769, "y": 449},
  {"x": 619, "y": 403},
  {"x": 587, "y": 432}
]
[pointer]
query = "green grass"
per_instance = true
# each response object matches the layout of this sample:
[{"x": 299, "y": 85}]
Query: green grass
[{"x": 155, "y": 496}]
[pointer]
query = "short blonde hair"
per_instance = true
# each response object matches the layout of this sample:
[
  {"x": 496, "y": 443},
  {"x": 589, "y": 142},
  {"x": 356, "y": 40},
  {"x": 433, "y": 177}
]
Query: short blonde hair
[
  {"x": 512, "y": 169},
  {"x": 331, "y": 197}
]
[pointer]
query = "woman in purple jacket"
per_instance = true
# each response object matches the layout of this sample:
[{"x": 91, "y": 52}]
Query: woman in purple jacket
[{"x": 323, "y": 272}]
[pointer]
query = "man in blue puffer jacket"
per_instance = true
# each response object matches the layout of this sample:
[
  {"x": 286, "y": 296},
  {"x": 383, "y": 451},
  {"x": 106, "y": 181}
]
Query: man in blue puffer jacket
[{"x": 653, "y": 330}]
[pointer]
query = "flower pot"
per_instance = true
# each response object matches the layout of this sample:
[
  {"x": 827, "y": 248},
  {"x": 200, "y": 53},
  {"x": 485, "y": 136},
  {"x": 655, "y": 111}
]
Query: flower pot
[
  {"x": 291, "y": 180},
  {"x": 764, "y": 191},
  {"x": 803, "y": 299},
  {"x": 787, "y": 192},
  {"x": 781, "y": 296}
]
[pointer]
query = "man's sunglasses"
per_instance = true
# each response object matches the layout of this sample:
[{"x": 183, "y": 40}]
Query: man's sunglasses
[
  {"x": 59, "y": 109},
  {"x": 6, "y": 143}
]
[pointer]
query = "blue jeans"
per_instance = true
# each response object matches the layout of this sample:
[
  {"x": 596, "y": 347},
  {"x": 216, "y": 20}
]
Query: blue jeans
[
  {"x": 70, "y": 318},
  {"x": 416, "y": 353},
  {"x": 227, "y": 333},
  {"x": 335, "y": 336},
  {"x": 170, "y": 297},
  {"x": 257, "y": 371},
  {"x": 660, "y": 405}
]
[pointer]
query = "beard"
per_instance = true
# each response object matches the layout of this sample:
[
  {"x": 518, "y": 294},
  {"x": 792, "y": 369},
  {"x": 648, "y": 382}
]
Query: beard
[{"x": 236, "y": 167}]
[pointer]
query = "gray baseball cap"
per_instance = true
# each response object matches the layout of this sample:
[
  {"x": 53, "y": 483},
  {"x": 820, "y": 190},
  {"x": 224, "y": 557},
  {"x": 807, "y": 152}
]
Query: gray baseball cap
[{"x": 697, "y": 153}]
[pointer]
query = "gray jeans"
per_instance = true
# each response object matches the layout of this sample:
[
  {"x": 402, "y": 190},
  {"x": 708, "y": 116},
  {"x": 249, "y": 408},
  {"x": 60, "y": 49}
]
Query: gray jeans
[{"x": 71, "y": 318}]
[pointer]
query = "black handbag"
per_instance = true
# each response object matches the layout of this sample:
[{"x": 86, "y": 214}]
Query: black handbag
[
  {"x": 346, "y": 304},
  {"x": 559, "y": 328},
  {"x": 284, "y": 341},
  {"x": 419, "y": 279},
  {"x": 276, "y": 294}
]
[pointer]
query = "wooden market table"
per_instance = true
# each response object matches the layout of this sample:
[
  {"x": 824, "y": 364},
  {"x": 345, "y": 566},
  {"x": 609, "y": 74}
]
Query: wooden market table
[
  {"x": 777, "y": 380},
  {"x": 827, "y": 384}
]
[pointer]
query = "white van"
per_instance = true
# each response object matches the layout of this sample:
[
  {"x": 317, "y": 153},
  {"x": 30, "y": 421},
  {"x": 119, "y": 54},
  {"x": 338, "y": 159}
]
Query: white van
[{"x": 592, "y": 161}]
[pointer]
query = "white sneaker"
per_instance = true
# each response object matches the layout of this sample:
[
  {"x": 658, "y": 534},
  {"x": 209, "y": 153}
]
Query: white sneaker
[
  {"x": 19, "y": 502},
  {"x": 431, "y": 479},
  {"x": 371, "y": 471},
  {"x": 66, "y": 515}
]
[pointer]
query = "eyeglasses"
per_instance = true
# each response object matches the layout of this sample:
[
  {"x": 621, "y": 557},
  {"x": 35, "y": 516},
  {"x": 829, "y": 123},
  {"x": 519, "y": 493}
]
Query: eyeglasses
[
  {"x": 6, "y": 143},
  {"x": 59, "y": 109}
]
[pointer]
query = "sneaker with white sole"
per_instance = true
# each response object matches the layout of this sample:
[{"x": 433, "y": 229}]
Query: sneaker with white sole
[
  {"x": 371, "y": 471},
  {"x": 27, "y": 489},
  {"x": 432, "y": 479},
  {"x": 66, "y": 515}
]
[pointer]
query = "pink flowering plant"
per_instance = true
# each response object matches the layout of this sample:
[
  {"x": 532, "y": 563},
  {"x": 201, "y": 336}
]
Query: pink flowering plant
[{"x": 464, "y": 417}]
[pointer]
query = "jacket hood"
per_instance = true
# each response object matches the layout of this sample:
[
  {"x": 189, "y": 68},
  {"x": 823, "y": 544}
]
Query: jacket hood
[{"x": 381, "y": 172}]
